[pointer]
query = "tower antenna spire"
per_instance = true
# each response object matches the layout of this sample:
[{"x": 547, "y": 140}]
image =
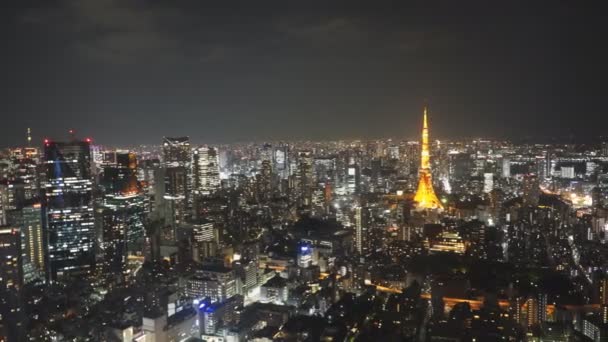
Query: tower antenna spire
[{"x": 425, "y": 122}]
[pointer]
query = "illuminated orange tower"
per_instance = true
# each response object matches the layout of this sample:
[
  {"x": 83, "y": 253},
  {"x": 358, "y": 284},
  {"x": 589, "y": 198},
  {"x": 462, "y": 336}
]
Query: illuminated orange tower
[{"x": 425, "y": 195}]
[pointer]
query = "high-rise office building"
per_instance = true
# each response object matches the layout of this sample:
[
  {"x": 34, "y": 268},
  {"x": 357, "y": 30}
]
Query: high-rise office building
[
  {"x": 305, "y": 177},
  {"x": 122, "y": 212},
  {"x": 544, "y": 165},
  {"x": 147, "y": 174},
  {"x": 411, "y": 156},
  {"x": 177, "y": 160},
  {"x": 213, "y": 316},
  {"x": 69, "y": 208},
  {"x": 602, "y": 285},
  {"x": 203, "y": 237},
  {"x": 506, "y": 167},
  {"x": 25, "y": 170},
  {"x": 12, "y": 196},
  {"x": 266, "y": 153},
  {"x": 425, "y": 195},
  {"x": 324, "y": 170},
  {"x": 11, "y": 261},
  {"x": 264, "y": 181},
  {"x": 12, "y": 318},
  {"x": 568, "y": 172},
  {"x": 281, "y": 160},
  {"x": 247, "y": 272},
  {"x": 176, "y": 151},
  {"x": 305, "y": 251},
  {"x": 531, "y": 190},
  {"x": 206, "y": 170},
  {"x": 176, "y": 193},
  {"x": 123, "y": 217},
  {"x": 536, "y": 309},
  {"x": 361, "y": 229},
  {"x": 393, "y": 152},
  {"x": 204, "y": 230},
  {"x": 352, "y": 177},
  {"x": 215, "y": 282},
  {"x": 29, "y": 220},
  {"x": 488, "y": 182}
]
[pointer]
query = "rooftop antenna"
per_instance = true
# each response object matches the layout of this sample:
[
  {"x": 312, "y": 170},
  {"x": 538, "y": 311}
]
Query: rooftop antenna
[{"x": 29, "y": 137}]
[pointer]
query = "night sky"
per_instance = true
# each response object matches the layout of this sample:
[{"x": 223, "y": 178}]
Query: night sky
[{"x": 129, "y": 72}]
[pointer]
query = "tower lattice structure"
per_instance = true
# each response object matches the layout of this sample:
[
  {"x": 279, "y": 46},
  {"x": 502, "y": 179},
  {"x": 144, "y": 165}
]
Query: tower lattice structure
[{"x": 425, "y": 197}]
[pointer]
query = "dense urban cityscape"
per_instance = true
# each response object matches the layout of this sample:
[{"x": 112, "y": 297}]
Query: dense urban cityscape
[
  {"x": 427, "y": 240},
  {"x": 303, "y": 171}
]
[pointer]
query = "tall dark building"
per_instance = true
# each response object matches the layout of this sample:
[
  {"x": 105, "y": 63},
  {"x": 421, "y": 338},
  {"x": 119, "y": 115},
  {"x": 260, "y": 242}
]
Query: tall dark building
[
  {"x": 264, "y": 181},
  {"x": 11, "y": 263},
  {"x": 530, "y": 190},
  {"x": 69, "y": 208},
  {"x": 176, "y": 192},
  {"x": 12, "y": 319},
  {"x": 122, "y": 213},
  {"x": 305, "y": 177}
]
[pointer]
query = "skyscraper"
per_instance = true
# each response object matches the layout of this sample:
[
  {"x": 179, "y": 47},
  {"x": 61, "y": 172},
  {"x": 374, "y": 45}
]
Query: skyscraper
[
  {"x": 11, "y": 263},
  {"x": 69, "y": 208},
  {"x": 178, "y": 181},
  {"x": 266, "y": 153},
  {"x": 147, "y": 171},
  {"x": 122, "y": 212},
  {"x": 281, "y": 160},
  {"x": 12, "y": 318},
  {"x": 425, "y": 195},
  {"x": 531, "y": 190},
  {"x": 361, "y": 229},
  {"x": 352, "y": 177},
  {"x": 176, "y": 192},
  {"x": 206, "y": 170},
  {"x": 305, "y": 177},
  {"x": 488, "y": 182},
  {"x": 602, "y": 284},
  {"x": 9, "y": 195},
  {"x": 506, "y": 167},
  {"x": 176, "y": 151},
  {"x": 264, "y": 181},
  {"x": 536, "y": 309},
  {"x": 25, "y": 170},
  {"x": 29, "y": 221}
]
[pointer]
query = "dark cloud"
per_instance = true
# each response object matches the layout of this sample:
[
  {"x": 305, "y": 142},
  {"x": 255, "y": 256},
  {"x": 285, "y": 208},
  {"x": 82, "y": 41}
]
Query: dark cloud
[
  {"x": 132, "y": 71},
  {"x": 116, "y": 31}
]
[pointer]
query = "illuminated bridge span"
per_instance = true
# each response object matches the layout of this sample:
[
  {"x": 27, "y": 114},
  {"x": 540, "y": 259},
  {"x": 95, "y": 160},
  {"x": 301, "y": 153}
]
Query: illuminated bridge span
[{"x": 475, "y": 304}]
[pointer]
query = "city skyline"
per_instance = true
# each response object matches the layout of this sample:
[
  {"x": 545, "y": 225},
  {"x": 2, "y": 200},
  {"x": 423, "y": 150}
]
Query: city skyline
[
  {"x": 125, "y": 73},
  {"x": 316, "y": 171},
  {"x": 30, "y": 138}
]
